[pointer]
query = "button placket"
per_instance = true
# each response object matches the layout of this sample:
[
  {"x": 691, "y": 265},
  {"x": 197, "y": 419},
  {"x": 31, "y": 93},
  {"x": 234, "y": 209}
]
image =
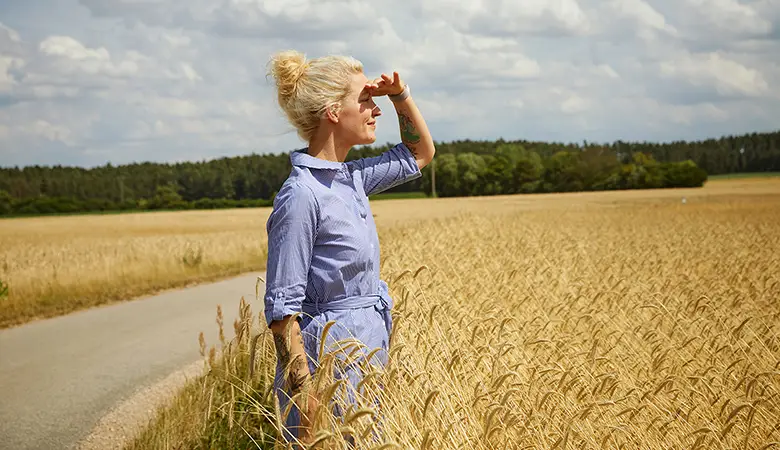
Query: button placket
[
  {"x": 363, "y": 210},
  {"x": 356, "y": 197}
]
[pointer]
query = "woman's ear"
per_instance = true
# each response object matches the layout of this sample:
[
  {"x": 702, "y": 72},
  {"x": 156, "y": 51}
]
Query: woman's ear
[{"x": 332, "y": 113}]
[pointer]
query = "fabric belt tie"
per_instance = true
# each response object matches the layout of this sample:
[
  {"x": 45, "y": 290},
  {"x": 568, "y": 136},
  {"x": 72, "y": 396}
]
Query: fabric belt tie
[{"x": 381, "y": 302}]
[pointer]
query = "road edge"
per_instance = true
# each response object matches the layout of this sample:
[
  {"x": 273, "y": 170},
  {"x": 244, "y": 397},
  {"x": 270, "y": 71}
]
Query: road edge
[{"x": 124, "y": 421}]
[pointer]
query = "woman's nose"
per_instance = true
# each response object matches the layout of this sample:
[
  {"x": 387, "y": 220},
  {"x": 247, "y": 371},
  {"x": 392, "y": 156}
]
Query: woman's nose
[{"x": 376, "y": 111}]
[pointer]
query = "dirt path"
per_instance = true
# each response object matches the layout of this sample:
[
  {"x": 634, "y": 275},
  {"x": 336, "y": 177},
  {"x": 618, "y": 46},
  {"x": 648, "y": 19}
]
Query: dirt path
[{"x": 68, "y": 380}]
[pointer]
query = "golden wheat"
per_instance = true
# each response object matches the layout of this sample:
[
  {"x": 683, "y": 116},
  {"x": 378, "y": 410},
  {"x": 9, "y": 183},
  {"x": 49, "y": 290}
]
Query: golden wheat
[
  {"x": 643, "y": 325},
  {"x": 603, "y": 320}
]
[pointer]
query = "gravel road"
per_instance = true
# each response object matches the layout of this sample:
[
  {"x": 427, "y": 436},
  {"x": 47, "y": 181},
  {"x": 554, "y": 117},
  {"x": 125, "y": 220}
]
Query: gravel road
[{"x": 60, "y": 378}]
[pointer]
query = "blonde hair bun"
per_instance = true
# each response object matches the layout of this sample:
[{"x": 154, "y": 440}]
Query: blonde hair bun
[
  {"x": 287, "y": 67},
  {"x": 305, "y": 89}
]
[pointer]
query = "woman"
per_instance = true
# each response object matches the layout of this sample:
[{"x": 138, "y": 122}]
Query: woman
[{"x": 323, "y": 250}]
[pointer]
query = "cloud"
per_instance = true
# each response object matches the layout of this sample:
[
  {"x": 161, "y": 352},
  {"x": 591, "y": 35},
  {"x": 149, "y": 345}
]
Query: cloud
[
  {"x": 507, "y": 17},
  {"x": 73, "y": 57},
  {"x": 308, "y": 19},
  {"x": 648, "y": 21},
  {"x": 730, "y": 16},
  {"x": 725, "y": 76},
  {"x": 172, "y": 80}
]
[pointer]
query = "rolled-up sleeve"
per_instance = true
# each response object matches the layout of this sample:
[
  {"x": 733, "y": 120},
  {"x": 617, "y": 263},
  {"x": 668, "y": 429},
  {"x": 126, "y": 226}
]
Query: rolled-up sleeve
[
  {"x": 388, "y": 170},
  {"x": 292, "y": 231}
]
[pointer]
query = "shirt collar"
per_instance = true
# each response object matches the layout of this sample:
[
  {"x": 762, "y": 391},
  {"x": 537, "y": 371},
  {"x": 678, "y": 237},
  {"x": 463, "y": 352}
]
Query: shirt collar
[{"x": 303, "y": 158}]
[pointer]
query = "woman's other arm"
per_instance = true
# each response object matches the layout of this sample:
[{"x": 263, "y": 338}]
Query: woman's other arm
[
  {"x": 414, "y": 130},
  {"x": 291, "y": 354},
  {"x": 292, "y": 230}
]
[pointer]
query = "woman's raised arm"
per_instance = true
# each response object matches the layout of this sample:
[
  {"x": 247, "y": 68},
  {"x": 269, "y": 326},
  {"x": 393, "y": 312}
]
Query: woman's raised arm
[{"x": 414, "y": 131}]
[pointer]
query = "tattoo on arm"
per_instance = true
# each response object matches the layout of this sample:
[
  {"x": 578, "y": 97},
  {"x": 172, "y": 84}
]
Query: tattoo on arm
[
  {"x": 296, "y": 379},
  {"x": 282, "y": 350},
  {"x": 409, "y": 134}
]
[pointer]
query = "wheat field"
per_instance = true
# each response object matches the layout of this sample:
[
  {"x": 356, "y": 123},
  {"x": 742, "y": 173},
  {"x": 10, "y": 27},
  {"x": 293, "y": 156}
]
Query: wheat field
[
  {"x": 57, "y": 265},
  {"x": 626, "y": 320}
]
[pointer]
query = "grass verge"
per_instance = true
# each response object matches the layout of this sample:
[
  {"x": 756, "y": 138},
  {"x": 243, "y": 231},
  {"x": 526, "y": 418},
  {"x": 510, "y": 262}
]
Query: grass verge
[{"x": 227, "y": 407}]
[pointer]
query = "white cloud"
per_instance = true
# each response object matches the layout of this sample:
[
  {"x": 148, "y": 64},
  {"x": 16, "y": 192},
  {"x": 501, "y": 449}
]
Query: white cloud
[
  {"x": 72, "y": 56},
  {"x": 310, "y": 19},
  {"x": 502, "y": 17},
  {"x": 574, "y": 104},
  {"x": 649, "y": 20},
  {"x": 50, "y": 131},
  {"x": 732, "y": 15},
  {"x": 7, "y": 81},
  {"x": 41, "y": 129},
  {"x": 449, "y": 57},
  {"x": 606, "y": 70},
  {"x": 728, "y": 77},
  {"x": 9, "y": 34},
  {"x": 129, "y": 80}
]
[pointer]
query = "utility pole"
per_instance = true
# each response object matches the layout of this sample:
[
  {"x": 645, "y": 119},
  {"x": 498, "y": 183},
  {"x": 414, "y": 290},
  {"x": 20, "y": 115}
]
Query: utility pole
[
  {"x": 121, "y": 190},
  {"x": 433, "y": 177}
]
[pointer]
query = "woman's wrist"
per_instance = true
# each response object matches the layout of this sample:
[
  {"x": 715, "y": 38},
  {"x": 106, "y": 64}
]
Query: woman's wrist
[{"x": 403, "y": 95}]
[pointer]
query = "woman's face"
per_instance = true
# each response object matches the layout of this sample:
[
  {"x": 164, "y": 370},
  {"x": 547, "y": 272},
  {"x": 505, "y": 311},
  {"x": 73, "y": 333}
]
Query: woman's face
[{"x": 357, "y": 119}]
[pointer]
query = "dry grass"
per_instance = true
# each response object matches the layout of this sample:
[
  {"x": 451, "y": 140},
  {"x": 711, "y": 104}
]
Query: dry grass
[
  {"x": 56, "y": 265},
  {"x": 617, "y": 320}
]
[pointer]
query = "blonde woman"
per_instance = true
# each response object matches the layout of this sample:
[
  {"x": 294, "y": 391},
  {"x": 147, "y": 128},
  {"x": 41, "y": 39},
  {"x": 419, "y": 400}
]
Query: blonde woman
[{"x": 323, "y": 249}]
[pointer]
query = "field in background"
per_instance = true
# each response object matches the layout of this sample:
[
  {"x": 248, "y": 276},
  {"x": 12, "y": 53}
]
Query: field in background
[
  {"x": 606, "y": 320},
  {"x": 56, "y": 265},
  {"x": 397, "y": 196},
  {"x": 735, "y": 176}
]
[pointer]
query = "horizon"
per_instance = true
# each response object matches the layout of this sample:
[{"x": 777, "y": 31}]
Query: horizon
[{"x": 377, "y": 145}]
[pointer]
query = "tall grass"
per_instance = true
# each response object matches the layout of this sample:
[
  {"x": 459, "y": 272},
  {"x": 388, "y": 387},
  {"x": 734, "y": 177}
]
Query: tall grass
[
  {"x": 590, "y": 323},
  {"x": 230, "y": 405}
]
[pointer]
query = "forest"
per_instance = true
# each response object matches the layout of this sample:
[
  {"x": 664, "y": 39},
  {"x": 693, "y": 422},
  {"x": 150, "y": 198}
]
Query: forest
[{"x": 460, "y": 168}]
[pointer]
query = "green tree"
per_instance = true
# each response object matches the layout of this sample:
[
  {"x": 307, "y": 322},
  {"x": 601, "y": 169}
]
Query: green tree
[
  {"x": 166, "y": 197},
  {"x": 527, "y": 172},
  {"x": 561, "y": 173},
  {"x": 6, "y": 203},
  {"x": 683, "y": 174},
  {"x": 471, "y": 168},
  {"x": 447, "y": 176},
  {"x": 595, "y": 166},
  {"x": 647, "y": 173}
]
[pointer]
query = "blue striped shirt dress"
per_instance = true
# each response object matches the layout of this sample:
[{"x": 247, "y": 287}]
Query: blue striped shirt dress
[{"x": 323, "y": 256}]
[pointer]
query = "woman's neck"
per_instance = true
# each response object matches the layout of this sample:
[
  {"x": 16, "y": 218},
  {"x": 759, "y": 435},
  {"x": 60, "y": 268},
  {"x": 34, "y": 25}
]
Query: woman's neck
[{"x": 325, "y": 146}]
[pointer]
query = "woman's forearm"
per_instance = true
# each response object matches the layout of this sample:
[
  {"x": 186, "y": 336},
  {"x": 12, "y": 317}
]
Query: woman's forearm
[
  {"x": 292, "y": 354},
  {"x": 290, "y": 350},
  {"x": 414, "y": 131}
]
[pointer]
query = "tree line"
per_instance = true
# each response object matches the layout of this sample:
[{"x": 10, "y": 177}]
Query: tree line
[{"x": 462, "y": 168}]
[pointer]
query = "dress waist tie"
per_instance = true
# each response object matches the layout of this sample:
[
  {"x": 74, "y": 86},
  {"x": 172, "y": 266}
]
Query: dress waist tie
[{"x": 381, "y": 302}]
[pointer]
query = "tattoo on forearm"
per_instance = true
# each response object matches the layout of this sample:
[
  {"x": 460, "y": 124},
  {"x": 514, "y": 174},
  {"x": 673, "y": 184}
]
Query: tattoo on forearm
[
  {"x": 297, "y": 375},
  {"x": 409, "y": 134},
  {"x": 297, "y": 379},
  {"x": 282, "y": 350}
]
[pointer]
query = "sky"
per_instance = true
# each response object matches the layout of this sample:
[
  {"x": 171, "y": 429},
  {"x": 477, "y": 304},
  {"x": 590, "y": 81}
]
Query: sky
[{"x": 90, "y": 82}]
